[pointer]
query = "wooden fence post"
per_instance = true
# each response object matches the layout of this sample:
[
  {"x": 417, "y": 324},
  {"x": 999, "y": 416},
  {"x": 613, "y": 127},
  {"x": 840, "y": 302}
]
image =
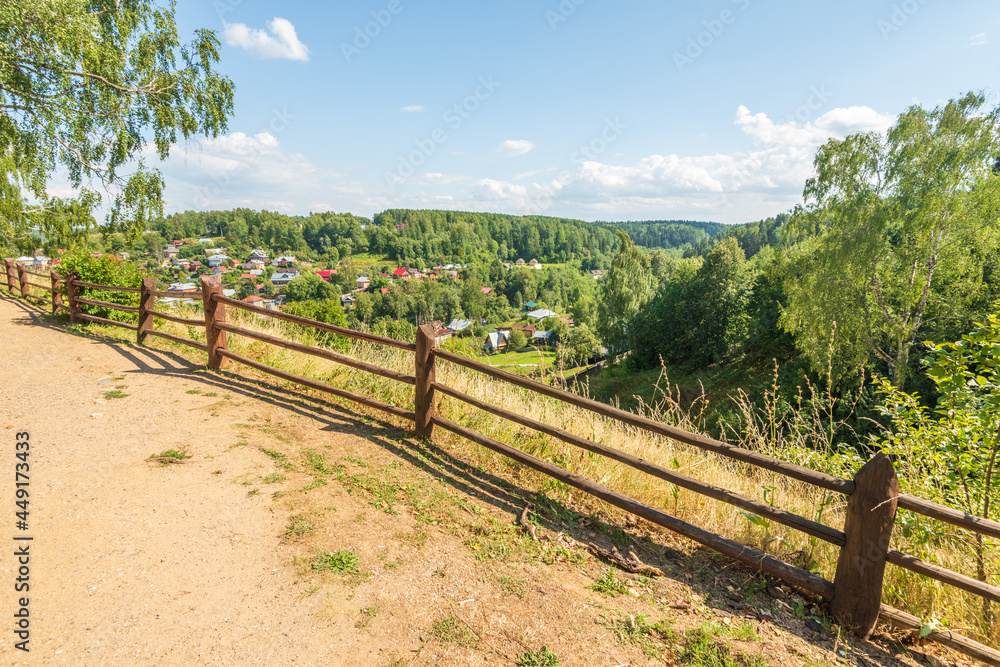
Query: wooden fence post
[
  {"x": 147, "y": 302},
  {"x": 71, "y": 292},
  {"x": 871, "y": 510},
  {"x": 9, "y": 265},
  {"x": 22, "y": 278},
  {"x": 56, "y": 296},
  {"x": 214, "y": 312},
  {"x": 423, "y": 396}
]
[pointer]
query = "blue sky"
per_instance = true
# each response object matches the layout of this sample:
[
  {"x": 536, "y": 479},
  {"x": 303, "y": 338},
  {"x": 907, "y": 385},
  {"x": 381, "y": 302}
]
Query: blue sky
[{"x": 579, "y": 108}]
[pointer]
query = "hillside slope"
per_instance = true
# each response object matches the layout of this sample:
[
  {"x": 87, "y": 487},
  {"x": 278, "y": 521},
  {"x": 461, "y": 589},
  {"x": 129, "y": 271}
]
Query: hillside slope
[{"x": 213, "y": 560}]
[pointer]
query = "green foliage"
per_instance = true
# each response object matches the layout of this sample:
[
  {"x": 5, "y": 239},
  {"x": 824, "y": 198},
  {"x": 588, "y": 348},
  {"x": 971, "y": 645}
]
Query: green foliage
[
  {"x": 104, "y": 270},
  {"x": 453, "y": 630},
  {"x": 310, "y": 286},
  {"x": 578, "y": 346},
  {"x": 701, "y": 316},
  {"x": 542, "y": 658},
  {"x": 628, "y": 286},
  {"x": 900, "y": 226},
  {"x": 328, "y": 311},
  {"x": 516, "y": 340},
  {"x": 609, "y": 585},
  {"x": 340, "y": 562},
  {"x": 82, "y": 86},
  {"x": 949, "y": 454}
]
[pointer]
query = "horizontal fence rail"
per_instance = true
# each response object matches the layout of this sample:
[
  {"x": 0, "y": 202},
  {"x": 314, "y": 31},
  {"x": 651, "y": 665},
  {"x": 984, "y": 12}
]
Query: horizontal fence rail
[
  {"x": 107, "y": 288},
  {"x": 179, "y": 320},
  {"x": 855, "y": 593},
  {"x": 318, "y": 352},
  {"x": 336, "y": 391},
  {"x": 108, "y": 304},
  {"x": 802, "y": 524},
  {"x": 807, "y": 581},
  {"x": 791, "y": 470},
  {"x": 295, "y": 319}
]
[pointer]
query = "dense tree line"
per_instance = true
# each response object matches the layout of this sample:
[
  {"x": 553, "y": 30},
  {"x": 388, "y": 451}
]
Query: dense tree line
[{"x": 898, "y": 243}]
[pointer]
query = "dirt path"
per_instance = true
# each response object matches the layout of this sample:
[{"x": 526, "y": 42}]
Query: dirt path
[
  {"x": 211, "y": 561},
  {"x": 134, "y": 563}
]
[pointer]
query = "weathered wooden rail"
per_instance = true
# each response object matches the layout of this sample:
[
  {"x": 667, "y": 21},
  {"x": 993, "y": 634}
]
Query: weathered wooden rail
[{"x": 873, "y": 494}]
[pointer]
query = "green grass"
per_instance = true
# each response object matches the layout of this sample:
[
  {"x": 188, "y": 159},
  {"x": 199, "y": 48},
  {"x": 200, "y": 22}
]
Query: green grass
[
  {"x": 453, "y": 630},
  {"x": 542, "y": 658},
  {"x": 651, "y": 639},
  {"x": 609, "y": 585},
  {"x": 512, "y": 585},
  {"x": 703, "y": 649},
  {"x": 280, "y": 458},
  {"x": 298, "y": 526},
  {"x": 170, "y": 456},
  {"x": 340, "y": 562},
  {"x": 503, "y": 359},
  {"x": 115, "y": 393}
]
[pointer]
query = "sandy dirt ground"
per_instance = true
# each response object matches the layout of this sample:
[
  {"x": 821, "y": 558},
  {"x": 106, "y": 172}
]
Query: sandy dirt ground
[{"x": 136, "y": 563}]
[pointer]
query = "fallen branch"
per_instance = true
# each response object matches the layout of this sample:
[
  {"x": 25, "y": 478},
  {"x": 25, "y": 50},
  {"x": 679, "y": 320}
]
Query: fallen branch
[
  {"x": 629, "y": 563},
  {"x": 526, "y": 524}
]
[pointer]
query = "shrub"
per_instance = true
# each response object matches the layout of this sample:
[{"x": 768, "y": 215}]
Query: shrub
[{"x": 104, "y": 270}]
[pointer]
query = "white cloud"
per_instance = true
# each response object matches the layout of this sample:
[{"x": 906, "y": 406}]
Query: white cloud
[
  {"x": 280, "y": 40},
  {"x": 731, "y": 187},
  {"x": 252, "y": 171},
  {"x": 978, "y": 40},
  {"x": 514, "y": 147},
  {"x": 412, "y": 109}
]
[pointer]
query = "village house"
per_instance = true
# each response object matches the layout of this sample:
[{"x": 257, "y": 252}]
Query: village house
[
  {"x": 204, "y": 240},
  {"x": 541, "y": 338},
  {"x": 441, "y": 334},
  {"x": 457, "y": 325},
  {"x": 217, "y": 260},
  {"x": 496, "y": 341},
  {"x": 284, "y": 261},
  {"x": 528, "y": 329},
  {"x": 347, "y": 300},
  {"x": 519, "y": 262},
  {"x": 362, "y": 283},
  {"x": 214, "y": 251},
  {"x": 542, "y": 313},
  {"x": 535, "y": 264},
  {"x": 326, "y": 273},
  {"x": 485, "y": 290},
  {"x": 170, "y": 251},
  {"x": 281, "y": 279},
  {"x": 597, "y": 274}
]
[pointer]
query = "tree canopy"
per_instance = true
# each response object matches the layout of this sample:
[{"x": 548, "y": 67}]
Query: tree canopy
[
  {"x": 85, "y": 86},
  {"x": 900, "y": 221}
]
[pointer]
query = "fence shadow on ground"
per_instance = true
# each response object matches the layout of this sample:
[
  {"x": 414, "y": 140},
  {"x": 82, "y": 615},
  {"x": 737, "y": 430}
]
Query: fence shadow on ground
[{"x": 702, "y": 569}]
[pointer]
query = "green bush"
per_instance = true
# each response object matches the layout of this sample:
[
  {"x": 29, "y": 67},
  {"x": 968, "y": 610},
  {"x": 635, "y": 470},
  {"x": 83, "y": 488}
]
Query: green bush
[{"x": 104, "y": 270}]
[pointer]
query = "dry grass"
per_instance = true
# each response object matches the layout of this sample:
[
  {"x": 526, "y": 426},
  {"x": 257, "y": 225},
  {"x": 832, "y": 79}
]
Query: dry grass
[{"x": 802, "y": 435}]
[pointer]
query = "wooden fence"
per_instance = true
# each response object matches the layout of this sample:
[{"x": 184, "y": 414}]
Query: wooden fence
[{"x": 873, "y": 494}]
